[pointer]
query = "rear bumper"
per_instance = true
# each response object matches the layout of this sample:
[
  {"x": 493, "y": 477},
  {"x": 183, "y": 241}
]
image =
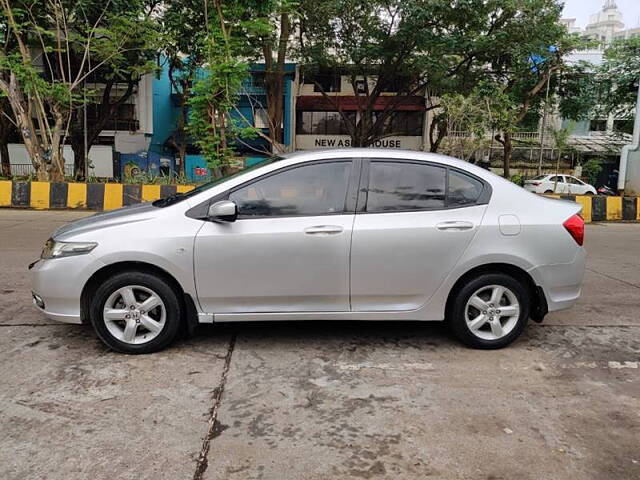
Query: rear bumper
[{"x": 561, "y": 282}]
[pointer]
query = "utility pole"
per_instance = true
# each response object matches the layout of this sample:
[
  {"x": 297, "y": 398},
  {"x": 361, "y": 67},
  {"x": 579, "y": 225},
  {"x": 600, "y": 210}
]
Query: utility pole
[
  {"x": 630, "y": 174},
  {"x": 544, "y": 124}
]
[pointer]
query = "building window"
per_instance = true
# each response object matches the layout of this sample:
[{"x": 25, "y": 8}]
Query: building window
[
  {"x": 323, "y": 81},
  {"x": 598, "y": 126},
  {"x": 403, "y": 124},
  {"x": 322, "y": 123},
  {"x": 332, "y": 123},
  {"x": 623, "y": 126},
  {"x": 260, "y": 118}
]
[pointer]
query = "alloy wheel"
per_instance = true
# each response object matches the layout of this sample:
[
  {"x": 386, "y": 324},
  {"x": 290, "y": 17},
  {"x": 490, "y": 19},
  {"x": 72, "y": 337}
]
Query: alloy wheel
[
  {"x": 134, "y": 314},
  {"x": 492, "y": 312}
]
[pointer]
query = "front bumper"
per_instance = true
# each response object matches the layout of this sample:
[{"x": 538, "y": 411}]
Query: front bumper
[{"x": 57, "y": 284}]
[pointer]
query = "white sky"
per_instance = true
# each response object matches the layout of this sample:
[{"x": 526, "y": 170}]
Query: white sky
[{"x": 581, "y": 9}]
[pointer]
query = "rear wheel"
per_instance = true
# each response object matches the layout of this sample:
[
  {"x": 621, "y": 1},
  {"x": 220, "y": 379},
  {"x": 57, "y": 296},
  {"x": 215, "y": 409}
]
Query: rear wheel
[
  {"x": 548, "y": 191},
  {"x": 490, "y": 311},
  {"x": 135, "y": 312}
]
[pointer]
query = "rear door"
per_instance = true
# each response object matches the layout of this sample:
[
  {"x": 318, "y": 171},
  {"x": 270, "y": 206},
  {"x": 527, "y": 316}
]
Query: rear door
[{"x": 414, "y": 220}]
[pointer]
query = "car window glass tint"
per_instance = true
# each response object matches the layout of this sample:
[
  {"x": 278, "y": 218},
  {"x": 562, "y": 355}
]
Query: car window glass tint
[
  {"x": 405, "y": 186},
  {"x": 318, "y": 189},
  {"x": 463, "y": 189}
]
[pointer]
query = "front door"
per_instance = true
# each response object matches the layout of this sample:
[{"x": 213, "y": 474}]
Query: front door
[
  {"x": 289, "y": 249},
  {"x": 411, "y": 232}
]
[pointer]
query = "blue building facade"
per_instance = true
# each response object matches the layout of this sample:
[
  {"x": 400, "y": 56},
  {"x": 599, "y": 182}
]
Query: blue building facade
[{"x": 251, "y": 111}]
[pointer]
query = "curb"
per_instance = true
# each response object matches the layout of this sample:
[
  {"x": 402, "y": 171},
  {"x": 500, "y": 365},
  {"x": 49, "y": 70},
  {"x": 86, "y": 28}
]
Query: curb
[
  {"x": 599, "y": 208},
  {"x": 92, "y": 196}
]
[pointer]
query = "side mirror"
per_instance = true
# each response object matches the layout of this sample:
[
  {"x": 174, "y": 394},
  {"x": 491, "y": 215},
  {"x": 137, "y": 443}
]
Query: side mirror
[{"x": 223, "y": 211}]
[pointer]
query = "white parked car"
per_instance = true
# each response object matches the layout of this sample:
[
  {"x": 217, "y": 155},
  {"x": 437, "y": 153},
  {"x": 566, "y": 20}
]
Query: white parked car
[
  {"x": 357, "y": 234},
  {"x": 559, "y": 184}
]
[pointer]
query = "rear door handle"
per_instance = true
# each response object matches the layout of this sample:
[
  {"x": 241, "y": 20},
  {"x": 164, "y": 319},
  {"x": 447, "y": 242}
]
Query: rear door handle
[
  {"x": 455, "y": 226},
  {"x": 322, "y": 230}
]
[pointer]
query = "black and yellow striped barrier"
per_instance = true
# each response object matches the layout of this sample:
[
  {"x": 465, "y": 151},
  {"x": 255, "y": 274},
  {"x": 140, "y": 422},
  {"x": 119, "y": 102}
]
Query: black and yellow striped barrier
[
  {"x": 92, "y": 196},
  {"x": 108, "y": 196},
  {"x": 599, "y": 208}
]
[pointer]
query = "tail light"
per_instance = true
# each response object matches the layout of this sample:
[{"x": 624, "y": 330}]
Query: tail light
[
  {"x": 575, "y": 227},
  {"x": 535, "y": 184}
]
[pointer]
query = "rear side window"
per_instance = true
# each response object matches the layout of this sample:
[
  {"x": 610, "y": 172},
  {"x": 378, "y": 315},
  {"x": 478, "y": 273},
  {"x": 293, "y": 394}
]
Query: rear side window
[
  {"x": 318, "y": 189},
  {"x": 463, "y": 189},
  {"x": 405, "y": 186}
]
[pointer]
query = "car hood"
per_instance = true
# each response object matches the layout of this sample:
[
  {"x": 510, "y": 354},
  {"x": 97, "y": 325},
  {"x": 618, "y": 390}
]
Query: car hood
[{"x": 131, "y": 214}]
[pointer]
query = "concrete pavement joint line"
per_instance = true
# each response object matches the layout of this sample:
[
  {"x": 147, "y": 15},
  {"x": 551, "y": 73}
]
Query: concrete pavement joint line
[
  {"x": 613, "y": 278},
  {"x": 203, "y": 463},
  {"x": 37, "y": 324}
]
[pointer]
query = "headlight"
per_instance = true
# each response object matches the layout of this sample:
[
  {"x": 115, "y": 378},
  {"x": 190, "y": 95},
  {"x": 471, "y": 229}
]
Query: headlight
[{"x": 53, "y": 249}]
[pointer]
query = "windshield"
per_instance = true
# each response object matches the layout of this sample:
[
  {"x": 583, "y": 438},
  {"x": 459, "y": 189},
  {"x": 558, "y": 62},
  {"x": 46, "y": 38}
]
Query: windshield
[{"x": 179, "y": 197}]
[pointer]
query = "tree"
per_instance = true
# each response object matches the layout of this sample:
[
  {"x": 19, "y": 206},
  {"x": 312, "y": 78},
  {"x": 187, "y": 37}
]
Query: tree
[
  {"x": 7, "y": 126},
  {"x": 617, "y": 78},
  {"x": 57, "y": 47},
  {"x": 274, "y": 41},
  {"x": 183, "y": 45},
  {"x": 119, "y": 77},
  {"x": 382, "y": 46},
  {"x": 216, "y": 91}
]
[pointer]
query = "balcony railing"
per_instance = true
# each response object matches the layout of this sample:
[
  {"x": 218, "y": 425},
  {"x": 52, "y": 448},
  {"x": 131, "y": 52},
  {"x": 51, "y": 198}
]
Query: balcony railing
[{"x": 517, "y": 136}]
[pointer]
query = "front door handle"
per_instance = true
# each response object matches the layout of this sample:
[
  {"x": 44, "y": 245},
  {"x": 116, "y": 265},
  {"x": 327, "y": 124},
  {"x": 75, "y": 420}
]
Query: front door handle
[
  {"x": 455, "y": 226},
  {"x": 322, "y": 230}
]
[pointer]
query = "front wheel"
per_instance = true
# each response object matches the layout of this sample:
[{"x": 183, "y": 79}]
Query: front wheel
[
  {"x": 135, "y": 312},
  {"x": 490, "y": 311}
]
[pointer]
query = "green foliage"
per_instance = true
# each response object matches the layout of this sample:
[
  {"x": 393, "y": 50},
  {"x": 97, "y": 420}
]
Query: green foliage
[
  {"x": 617, "y": 78},
  {"x": 592, "y": 168},
  {"x": 216, "y": 91},
  {"x": 518, "y": 180}
]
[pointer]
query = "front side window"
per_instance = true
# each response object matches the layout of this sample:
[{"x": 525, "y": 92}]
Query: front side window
[
  {"x": 317, "y": 189},
  {"x": 405, "y": 186}
]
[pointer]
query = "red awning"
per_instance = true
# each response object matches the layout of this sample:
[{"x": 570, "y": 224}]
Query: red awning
[{"x": 350, "y": 103}]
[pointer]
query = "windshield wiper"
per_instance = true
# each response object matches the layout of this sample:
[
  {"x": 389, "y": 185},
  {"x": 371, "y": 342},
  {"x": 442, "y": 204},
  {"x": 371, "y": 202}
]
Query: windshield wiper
[{"x": 166, "y": 201}]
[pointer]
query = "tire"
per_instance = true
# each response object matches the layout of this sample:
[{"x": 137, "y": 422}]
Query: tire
[
  {"x": 548, "y": 191},
  {"x": 463, "y": 311},
  {"x": 142, "y": 331},
  {"x": 589, "y": 193}
]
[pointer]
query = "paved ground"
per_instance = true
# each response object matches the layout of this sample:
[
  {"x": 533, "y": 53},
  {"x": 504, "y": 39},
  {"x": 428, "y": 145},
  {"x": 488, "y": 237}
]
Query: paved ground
[{"x": 325, "y": 400}]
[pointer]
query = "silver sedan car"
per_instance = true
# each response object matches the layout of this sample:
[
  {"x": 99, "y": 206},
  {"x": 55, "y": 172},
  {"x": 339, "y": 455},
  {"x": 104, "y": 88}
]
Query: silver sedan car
[{"x": 357, "y": 234}]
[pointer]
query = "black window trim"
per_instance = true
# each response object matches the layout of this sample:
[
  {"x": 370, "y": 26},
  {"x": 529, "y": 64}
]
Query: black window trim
[
  {"x": 200, "y": 211},
  {"x": 363, "y": 190}
]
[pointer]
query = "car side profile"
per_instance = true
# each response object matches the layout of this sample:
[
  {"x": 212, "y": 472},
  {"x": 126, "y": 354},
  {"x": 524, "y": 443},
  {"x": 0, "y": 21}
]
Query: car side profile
[
  {"x": 354, "y": 234},
  {"x": 565, "y": 184}
]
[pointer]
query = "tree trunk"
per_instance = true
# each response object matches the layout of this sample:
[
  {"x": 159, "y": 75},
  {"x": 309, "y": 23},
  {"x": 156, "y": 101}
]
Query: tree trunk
[
  {"x": 80, "y": 167},
  {"x": 436, "y": 140},
  {"x": 4, "y": 157},
  {"x": 508, "y": 153}
]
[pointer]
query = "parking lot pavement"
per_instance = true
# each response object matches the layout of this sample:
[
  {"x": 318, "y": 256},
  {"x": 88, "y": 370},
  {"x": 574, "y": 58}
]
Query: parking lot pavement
[{"x": 322, "y": 400}]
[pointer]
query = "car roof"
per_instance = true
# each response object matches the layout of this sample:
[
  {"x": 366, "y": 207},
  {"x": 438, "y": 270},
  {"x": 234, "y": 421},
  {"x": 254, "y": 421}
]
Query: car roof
[{"x": 380, "y": 153}]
